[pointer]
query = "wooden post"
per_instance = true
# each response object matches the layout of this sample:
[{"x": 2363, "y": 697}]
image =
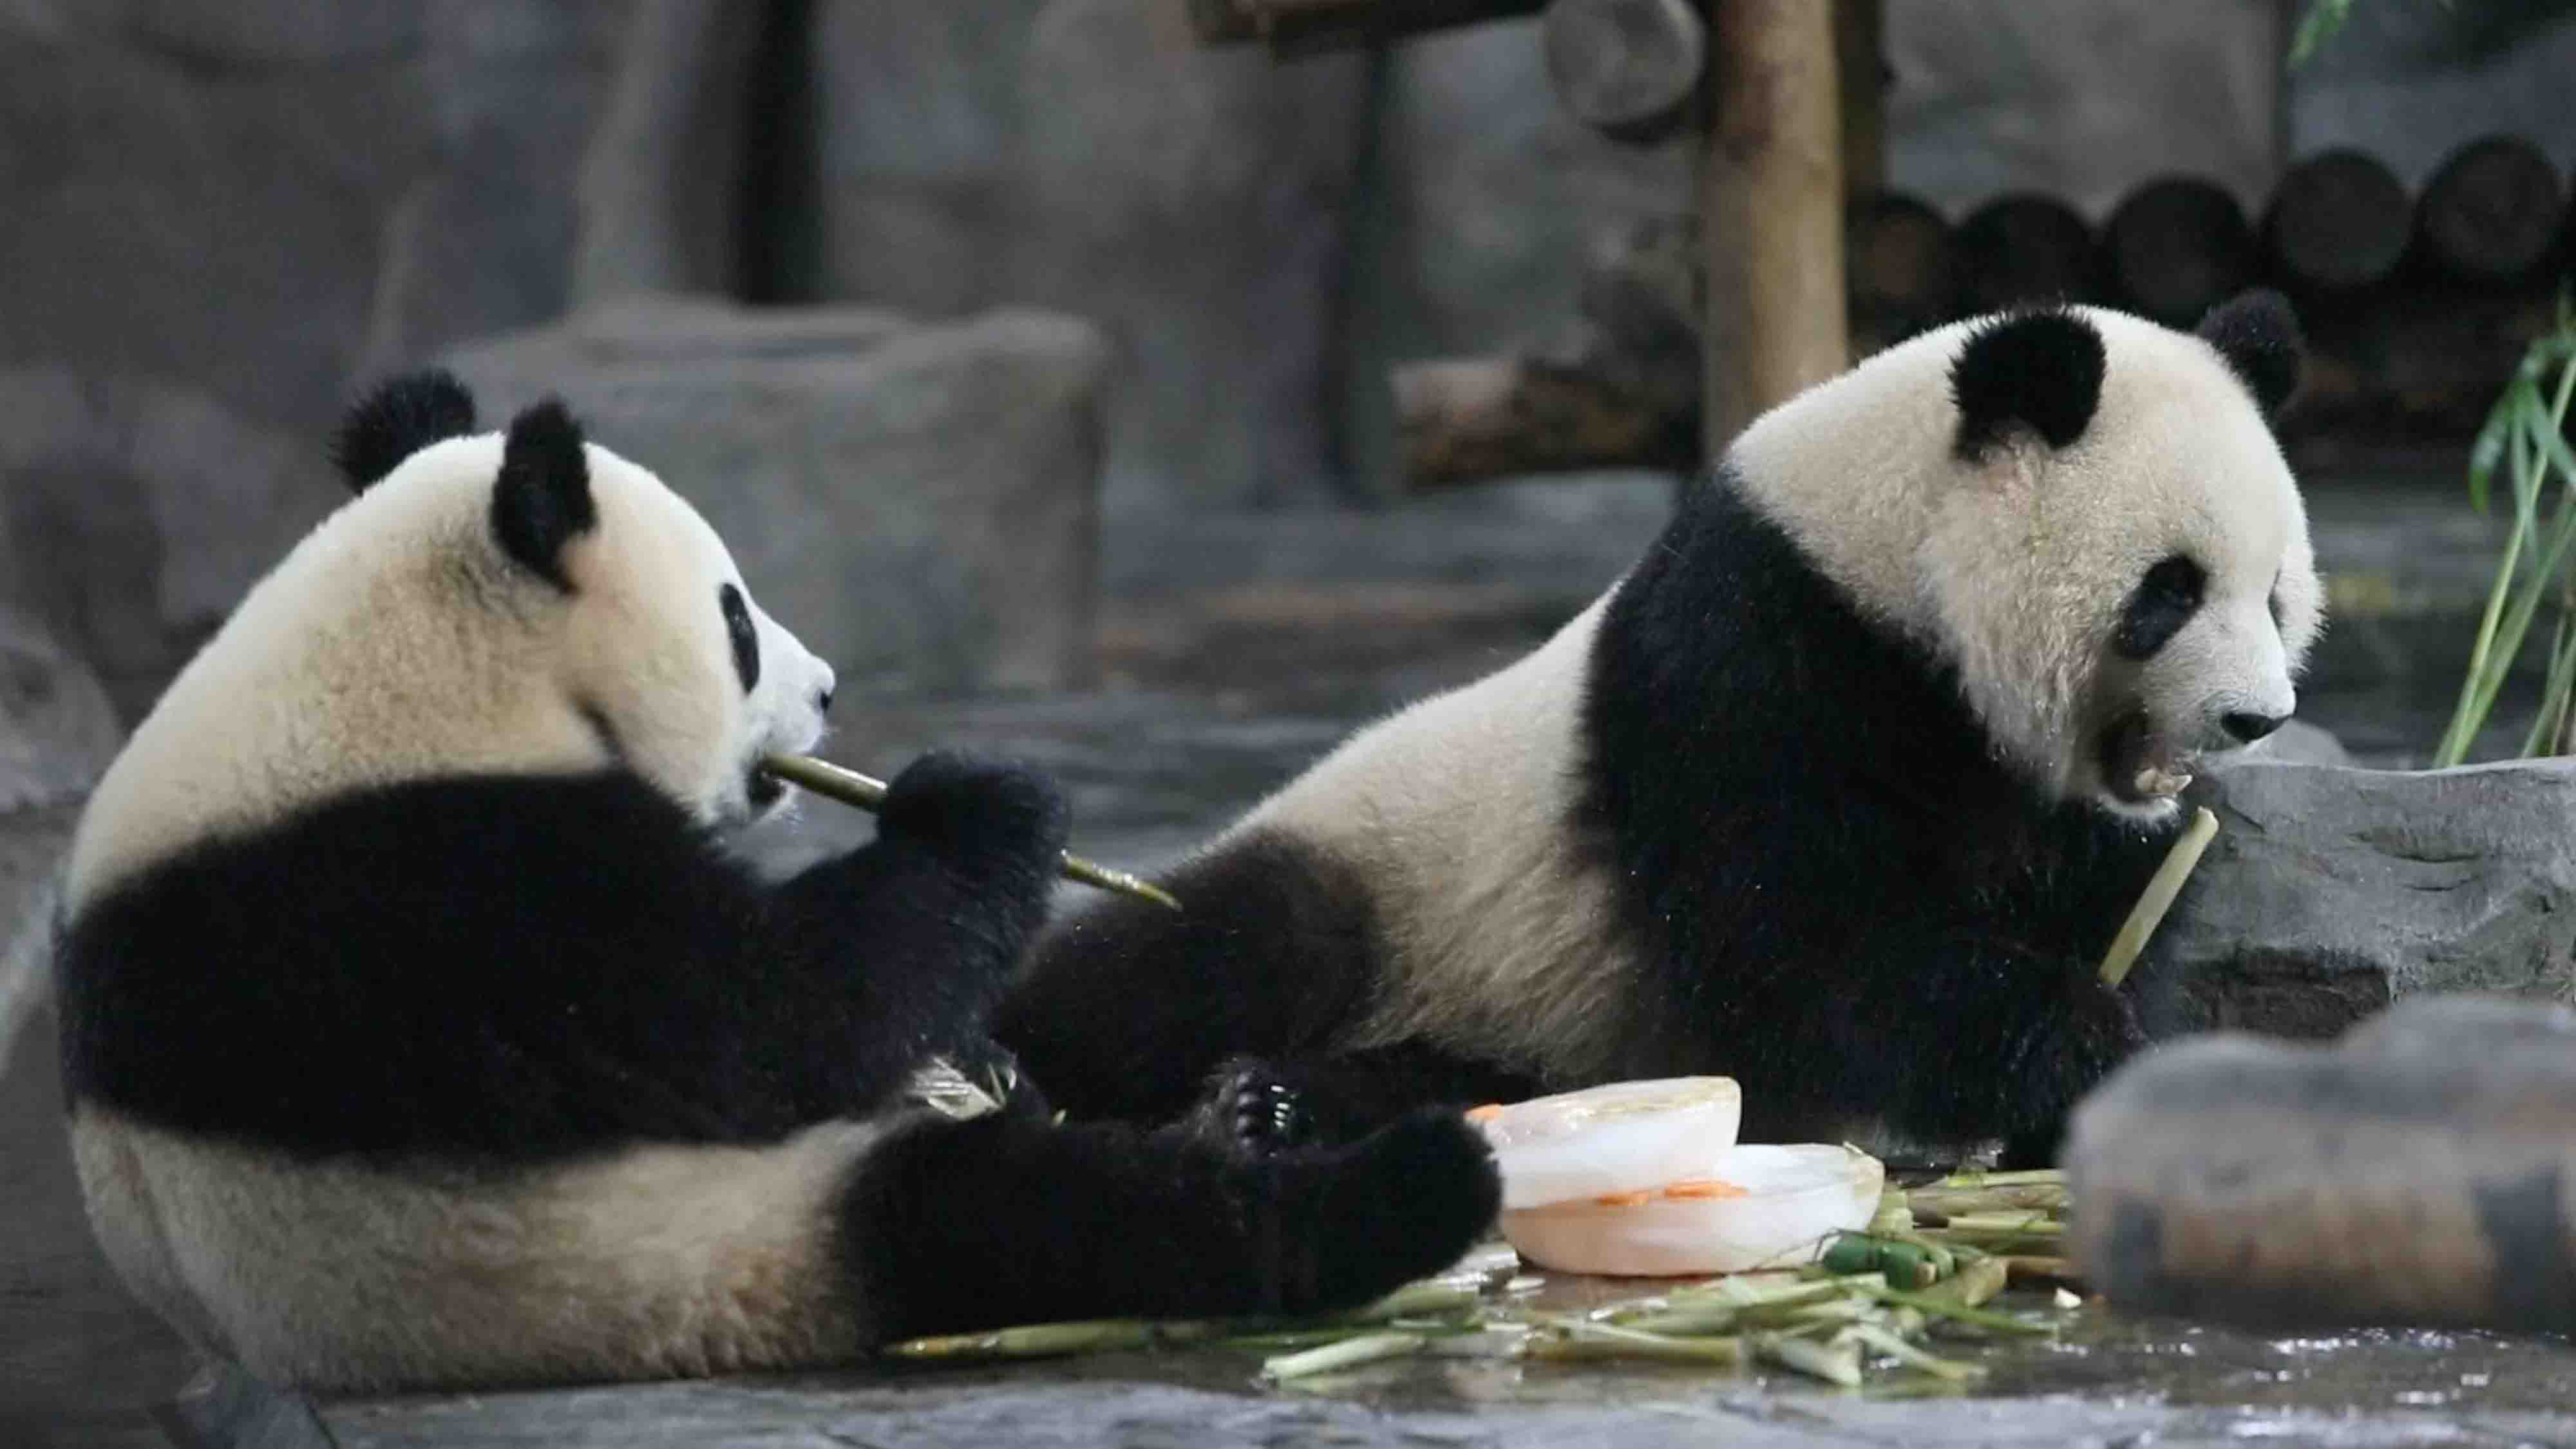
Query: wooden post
[{"x": 1771, "y": 199}]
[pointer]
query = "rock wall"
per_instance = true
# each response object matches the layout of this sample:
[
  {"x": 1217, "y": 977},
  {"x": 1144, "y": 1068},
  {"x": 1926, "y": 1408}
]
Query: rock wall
[
  {"x": 1089, "y": 155},
  {"x": 57, "y": 735},
  {"x": 219, "y": 216},
  {"x": 917, "y": 503}
]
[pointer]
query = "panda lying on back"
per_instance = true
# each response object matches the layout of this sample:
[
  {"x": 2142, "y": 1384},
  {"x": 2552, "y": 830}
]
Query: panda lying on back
[
  {"x": 1843, "y": 790},
  {"x": 417, "y": 1032}
]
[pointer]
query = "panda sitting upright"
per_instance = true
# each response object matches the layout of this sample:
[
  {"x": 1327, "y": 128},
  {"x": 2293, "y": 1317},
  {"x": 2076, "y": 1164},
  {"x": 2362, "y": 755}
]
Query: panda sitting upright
[
  {"x": 417, "y": 1032},
  {"x": 1843, "y": 790}
]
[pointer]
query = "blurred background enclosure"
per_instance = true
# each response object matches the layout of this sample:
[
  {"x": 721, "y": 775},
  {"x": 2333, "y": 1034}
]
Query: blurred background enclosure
[{"x": 970, "y": 319}]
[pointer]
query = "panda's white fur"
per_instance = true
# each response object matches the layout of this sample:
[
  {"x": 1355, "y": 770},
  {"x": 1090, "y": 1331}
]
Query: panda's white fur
[
  {"x": 417, "y": 1031},
  {"x": 394, "y": 590},
  {"x": 1502, "y": 925},
  {"x": 1866, "y": 703},
  {"x": 656, "y": 1262},
  {"x": 2017, "y": 565}
]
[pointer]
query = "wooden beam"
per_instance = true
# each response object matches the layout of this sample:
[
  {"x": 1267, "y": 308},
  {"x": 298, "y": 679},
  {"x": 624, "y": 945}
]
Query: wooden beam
[
  {"x": 1309, "y": 27},
  {"x": 1771, "y": 199}
]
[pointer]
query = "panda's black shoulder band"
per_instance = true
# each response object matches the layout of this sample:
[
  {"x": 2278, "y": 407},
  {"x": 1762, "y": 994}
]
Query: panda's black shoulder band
[
  {"x": 2258, "y": 334},
  {"x": 397, "y": 418},
  {"x": 2039, "y": 369},
  {"x": 541, "y": 501}
]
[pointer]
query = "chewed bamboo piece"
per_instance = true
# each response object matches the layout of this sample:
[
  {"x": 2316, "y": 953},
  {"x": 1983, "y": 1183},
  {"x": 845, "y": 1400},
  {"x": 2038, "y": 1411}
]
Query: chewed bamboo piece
[
  {"x": 867, "y": 793},
  {"x": 2158, "y": 897}
]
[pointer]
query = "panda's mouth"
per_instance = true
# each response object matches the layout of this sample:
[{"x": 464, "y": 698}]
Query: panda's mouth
[
  {"x": 762, "y": 788},
  {"x": 2138, "y": 768}
]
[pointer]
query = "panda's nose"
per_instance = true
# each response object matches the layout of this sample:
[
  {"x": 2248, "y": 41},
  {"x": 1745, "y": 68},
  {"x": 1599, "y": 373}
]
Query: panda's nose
[
  {"x": 823, "y": 700},
  {"x": 2248, "y": 726}
]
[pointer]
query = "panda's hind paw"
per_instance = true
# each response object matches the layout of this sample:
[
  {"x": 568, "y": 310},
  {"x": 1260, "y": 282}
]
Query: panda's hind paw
[
  {"x": 1251, "y": 1108},
  {"x": 1402, "y": 1203}
]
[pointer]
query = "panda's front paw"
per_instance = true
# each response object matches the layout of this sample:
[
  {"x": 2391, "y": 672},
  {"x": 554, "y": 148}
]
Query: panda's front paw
[
  {"x": 2065, "y": 1054},
  {"x": 978, "y": 813}
]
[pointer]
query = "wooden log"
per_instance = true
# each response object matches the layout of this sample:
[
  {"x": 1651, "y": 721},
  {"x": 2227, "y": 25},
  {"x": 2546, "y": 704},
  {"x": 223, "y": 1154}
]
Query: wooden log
[
  {"x": 2022, "y": 248},
  {"x": 1771, "y": 203},
  {"x": 2422, "y": 362},
  {"x": 1473, "y": 419},
  {"x": 2491, "y": 214},
  {"x": 1626, "y": 68},
  {"x": 1898, "y": 264},
  {"x": 1307, "y": 27},
  {"x": 2337, "y": 223},
  {"x": 2176, "y": 247}
]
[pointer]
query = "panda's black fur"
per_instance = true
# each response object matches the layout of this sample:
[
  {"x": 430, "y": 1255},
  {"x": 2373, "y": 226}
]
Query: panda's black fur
[
  {"x": 471, "y": 978},
  {"x": 1824, "y": 880},
  {"x": 1956, "y": 909}
]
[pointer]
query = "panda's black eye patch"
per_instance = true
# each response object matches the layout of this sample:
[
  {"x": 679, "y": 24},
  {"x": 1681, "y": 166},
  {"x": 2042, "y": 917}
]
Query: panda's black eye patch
[
  {"x": 746, "y": 640},
  {"x": 2163, "y": 602}
]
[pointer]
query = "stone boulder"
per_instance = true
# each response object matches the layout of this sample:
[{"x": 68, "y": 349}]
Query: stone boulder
[
  {"x": 57, "y": 735},
  {"x": 2411, "y": 1174},
  {"x": 2331, "y": 891},
  {"x": 133, "y": 514},
  {"x": 220, "y": 217},
  {"x": 919, "y": 503}
]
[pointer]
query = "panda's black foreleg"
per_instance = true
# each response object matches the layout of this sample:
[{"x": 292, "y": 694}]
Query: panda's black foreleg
[
  {"x": 906, "y": 943},
  {"x": 1265, "y": 1105},
  {"x": 1010, "y": 1218},
  {"x": 2001, "y": 1044}
]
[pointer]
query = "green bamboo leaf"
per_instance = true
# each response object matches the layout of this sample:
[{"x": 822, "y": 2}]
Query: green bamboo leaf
[{"x": 2318, "y": 26}]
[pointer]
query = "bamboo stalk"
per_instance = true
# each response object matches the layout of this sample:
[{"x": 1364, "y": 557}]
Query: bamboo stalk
[
  {"x": 1954, "y": 1202},
  {"x": 2159, "y": 897},
  {"x": 1895, "y": 1347},
  {"x": 1349, "y": 1353},
  {"x": 867, "y": 793},
  {"x": 1836, "y": 1363},
  {"x": 1576, "y": 1339}
]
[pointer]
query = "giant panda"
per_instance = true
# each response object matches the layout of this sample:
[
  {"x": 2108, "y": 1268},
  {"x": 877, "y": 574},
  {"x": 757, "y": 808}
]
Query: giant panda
[
  {"x": 1843, "y": 790},
  {"x": 417, "y": 1031}
]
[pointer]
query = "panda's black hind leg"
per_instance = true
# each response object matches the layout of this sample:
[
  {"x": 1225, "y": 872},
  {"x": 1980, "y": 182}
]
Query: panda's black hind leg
[{"x": 1003, "y": 1219}]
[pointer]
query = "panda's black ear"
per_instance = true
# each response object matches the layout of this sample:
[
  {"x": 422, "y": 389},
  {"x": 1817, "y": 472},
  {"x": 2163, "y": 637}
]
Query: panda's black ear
[
  {"x": 2258, "y": 334},
  {"x": 398, "y": 418},
  {"x": 2039, "y": 370},
  {"x": 541, "y": 501}
]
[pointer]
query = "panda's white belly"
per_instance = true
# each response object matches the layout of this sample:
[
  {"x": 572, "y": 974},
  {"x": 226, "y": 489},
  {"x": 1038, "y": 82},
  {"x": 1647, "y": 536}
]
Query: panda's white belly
[
  {"x": 656, "y": 1261},
  {"x": 1455, "y": 813}
]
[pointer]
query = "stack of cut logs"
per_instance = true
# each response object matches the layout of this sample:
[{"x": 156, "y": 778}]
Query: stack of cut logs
[{"x": 2416, "y": 313}]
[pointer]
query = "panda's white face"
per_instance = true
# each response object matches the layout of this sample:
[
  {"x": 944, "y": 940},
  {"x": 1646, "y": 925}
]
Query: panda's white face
[
  {"x": 2101, "y": 535},
  {"x": 427, "y": 630},
  {"x": 690, "y": 681}
]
